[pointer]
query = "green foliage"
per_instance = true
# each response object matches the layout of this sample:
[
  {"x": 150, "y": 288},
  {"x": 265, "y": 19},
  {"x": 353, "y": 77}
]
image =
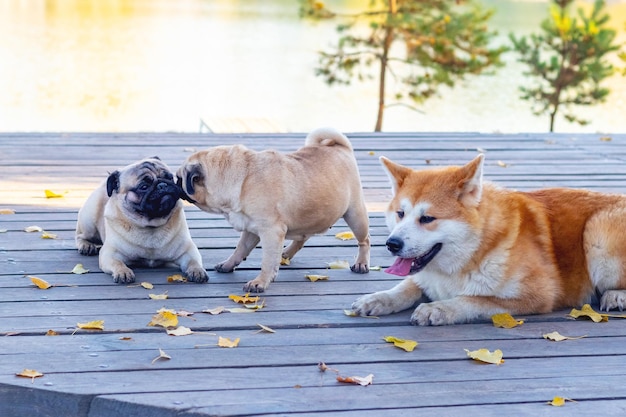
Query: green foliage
[
  {"x": 422, "y": 44},
  {"x": 566, "y": 61}
]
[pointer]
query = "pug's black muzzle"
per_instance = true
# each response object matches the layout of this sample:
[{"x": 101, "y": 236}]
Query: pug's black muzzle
[{"x": 159, "y": 199}]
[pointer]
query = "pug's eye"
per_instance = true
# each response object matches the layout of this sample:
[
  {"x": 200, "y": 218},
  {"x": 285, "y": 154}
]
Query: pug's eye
[
  {"x": 145, "y": 183},
  {"x": 400, "y": 214},
  {"x": 427, "y": 219}
]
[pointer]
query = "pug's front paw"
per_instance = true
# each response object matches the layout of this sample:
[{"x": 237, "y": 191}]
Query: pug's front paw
[
  {"x": 123, "y": 275},
  {"x": 197, "y": 274}
]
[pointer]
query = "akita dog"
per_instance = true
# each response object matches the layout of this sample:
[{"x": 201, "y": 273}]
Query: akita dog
[{"x": 475, "y": 249}]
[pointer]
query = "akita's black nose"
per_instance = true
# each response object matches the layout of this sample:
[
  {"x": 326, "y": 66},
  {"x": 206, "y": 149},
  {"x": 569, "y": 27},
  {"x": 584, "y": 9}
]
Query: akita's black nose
[{"x": 394, "y": 245}]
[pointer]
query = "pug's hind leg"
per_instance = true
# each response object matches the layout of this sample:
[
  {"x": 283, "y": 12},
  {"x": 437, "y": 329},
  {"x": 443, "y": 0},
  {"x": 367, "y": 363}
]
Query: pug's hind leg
[
  {"x": 358, "y": 222},
  {"x": 247, "y": 242}
]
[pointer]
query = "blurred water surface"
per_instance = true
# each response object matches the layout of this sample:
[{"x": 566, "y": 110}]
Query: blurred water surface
[{"x": 161, "y": 65}]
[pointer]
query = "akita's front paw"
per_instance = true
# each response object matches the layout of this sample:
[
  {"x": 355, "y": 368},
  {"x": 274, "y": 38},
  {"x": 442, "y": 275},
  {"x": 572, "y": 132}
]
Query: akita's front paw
[
  {"x": 376, "y": 304},
  {"x": 613, "y": 299},
  {"x": 433, "y": 314}
]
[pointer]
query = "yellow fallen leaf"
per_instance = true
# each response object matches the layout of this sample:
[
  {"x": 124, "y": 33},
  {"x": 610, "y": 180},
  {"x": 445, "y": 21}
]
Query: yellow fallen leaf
[
  {"x": 314, "y": 278},
  {"x": 358, "y": 380},
  {"x": 557, "y": 337},
  {"x": 164, "y": 319},
  {"x": 227, "y": 343},
  {"x": 40, "y": 283},
  {"x": 162, "y": 355},
  {"x": 502, "y": 164},
  {"x": 484, "y": 355},
  {"x": 91, "y": 325},
  {"x": 180, "y": 331},
  {"x": 614, "y": 316},
  {"x": 371, "y": 153},
  {"x": 158, "y": 296},
  {"x": 606, "y": 138},
  {"x": 345, "y": 235},
  {"x": 79, "y": 269},
  {"x": 505, "y": 320},
  {"x": 587, "y": 311},
  {"x": 285, "y": 261},
  {"x": 29, "y": 373},
  {"x": 405, "y": 344},
  {"x": 48, "y": 235},
  {"x": 176, "y": 278},
  {"x": 265, "y": 329},
  {"x": 350, "y": 313},
  {"x": 215, "y": 311},
  {"x": 52, "y": 194},
  {"x": 52, "y": 333},
  {"x": 31, "y": 229},
  {"x": 339, "y": 265},
  {"x": 244, "y": 299},
  {"x": 147, "y": 285},
  {"x": 7, "y": 211},
  {"x": 559, "y": 401}
]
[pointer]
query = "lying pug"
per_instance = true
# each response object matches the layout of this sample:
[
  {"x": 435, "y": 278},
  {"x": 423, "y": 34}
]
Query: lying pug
[
  {"x": 271, "y": 197},
  {"x": 137, "y": 216}
]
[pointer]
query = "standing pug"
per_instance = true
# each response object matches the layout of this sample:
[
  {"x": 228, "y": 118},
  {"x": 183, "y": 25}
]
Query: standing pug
[
  {"x": 270, "y": 197},
  {"x": 137, "y": 217}
]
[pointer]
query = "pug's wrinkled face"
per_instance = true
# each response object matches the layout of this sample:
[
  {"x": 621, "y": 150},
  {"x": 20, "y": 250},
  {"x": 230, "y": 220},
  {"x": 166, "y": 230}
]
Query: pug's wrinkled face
[{"x": 148, "y": 188}]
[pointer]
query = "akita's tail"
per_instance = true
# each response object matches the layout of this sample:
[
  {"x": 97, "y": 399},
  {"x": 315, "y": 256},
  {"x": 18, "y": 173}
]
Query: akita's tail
[{"x": 327, "y": 136}]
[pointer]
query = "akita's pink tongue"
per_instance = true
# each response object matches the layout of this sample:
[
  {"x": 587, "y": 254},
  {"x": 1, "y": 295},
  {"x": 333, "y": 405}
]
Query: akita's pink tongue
[{"x": 402, "y": 267}]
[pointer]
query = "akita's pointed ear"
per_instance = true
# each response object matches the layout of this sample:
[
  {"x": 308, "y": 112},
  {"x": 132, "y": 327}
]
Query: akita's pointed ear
[
  {"x": 397, "y": 173},
  {"x": 471, "y": 184}
]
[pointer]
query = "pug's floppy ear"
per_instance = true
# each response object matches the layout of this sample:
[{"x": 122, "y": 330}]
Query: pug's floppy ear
[{"x": 113, "y": 183}]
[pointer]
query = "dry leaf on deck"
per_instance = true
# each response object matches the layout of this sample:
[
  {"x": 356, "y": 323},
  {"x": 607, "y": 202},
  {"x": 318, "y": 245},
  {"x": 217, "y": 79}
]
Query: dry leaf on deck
[
  {"x": 265, "y": 329},
  {"x": 91, "y": 325},
  {"x": 31, "y": 229},
  {"x": 405, "y": 344},
  {"x": 345, "y": 235},
  {"x": 164, "y": 318},
  {"x": 176, "y": 278},
  {"x": 147, "y": 285},
  {"x": 40, "y": 283},
  {"x": 180, "y": 331},
  {"x": 158, "y": 296},
  {"x": 358, "y": 380},
  {"x": 240, "y": 310},
  {"x": 48, "y": 235},
  {"x": 227, "y": 343},
  {"x": 587, "y": 311},
  {"x": 484, "y": 355},
  {"x": 162, "y": 355},
  {"x": 606, "y": 138},
  {"x": 7, "y": 211},
  {"x": 244, "y": 299},
  {"x": 505, "y": 320},
  {"x": 557, "y": 337},
  {"x": 79, "y": 269},
  {"x": 559, "y": 401},
  {"x": 52, "y": 194},
  {"x": 125, "y": 338},
  {"x": 183, "y": 313},
  {"x": 214, "y": 311},
  {"x": 285, "y": 261},
  {"x": 29, "y": 373},
  {"x": 502, "y": 164},
  {"x": 52, "y": 333},
  {"x": 255, "y": 306},
  {"x": 339, "y": 265},
  {"x": 314, "y": 278}
]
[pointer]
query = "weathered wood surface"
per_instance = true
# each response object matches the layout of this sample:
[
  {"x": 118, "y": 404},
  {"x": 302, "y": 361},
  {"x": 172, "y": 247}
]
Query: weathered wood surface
[{"x": 100, "y": 373}]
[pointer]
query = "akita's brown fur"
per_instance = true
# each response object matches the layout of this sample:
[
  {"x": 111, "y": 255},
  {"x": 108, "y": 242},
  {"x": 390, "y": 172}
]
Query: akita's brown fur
[{"x": 475, "y": 249}]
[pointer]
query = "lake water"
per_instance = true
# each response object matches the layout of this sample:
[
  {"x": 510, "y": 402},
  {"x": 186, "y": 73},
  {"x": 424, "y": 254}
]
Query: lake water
[{"x": 161, "y": 65}]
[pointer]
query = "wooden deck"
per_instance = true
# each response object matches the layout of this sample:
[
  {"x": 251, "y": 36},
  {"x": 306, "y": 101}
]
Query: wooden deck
[{"x": 113, "y": 373}]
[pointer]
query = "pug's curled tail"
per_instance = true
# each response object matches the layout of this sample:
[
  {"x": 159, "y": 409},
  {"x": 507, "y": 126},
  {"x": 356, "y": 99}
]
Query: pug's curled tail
[{"x": 327, "y": 136}]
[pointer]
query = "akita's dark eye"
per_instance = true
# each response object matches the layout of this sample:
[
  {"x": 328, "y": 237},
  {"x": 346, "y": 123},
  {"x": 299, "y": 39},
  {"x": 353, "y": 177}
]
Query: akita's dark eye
[
  {"x": 426, "y": 219},
  {"x": 400, "y": 213}
]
